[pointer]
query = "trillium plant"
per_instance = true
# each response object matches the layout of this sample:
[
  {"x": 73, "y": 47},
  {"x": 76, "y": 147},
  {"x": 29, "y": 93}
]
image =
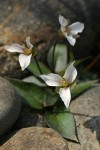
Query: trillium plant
[
  {"x": 63, "y": 83},
  {"x": 51, "y": 87}
]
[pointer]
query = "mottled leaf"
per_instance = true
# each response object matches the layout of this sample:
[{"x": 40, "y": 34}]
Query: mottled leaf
[
  {"x": 60, "y": 57},
  {"x": 33, "y": 79},
  {"x": 81, "y": 87},
  {"x": 34, "y": 95},
  {"x": 62, "y": 121},
  {"x": 34, "y": 68}
]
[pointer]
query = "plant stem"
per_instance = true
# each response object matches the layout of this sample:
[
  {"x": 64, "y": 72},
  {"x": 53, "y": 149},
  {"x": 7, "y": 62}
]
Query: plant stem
[
  {"x": 53, "y": 55},
  {"x": 38, "y": 65}
]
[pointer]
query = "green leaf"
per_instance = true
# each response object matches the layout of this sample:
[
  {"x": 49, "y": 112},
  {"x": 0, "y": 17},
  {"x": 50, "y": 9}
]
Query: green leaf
[
  {"x": 62, "y": 121},
  {"x": 33, "y": 79},
  {"x": 81, "y": 87},
  {"x": 34, "y": 69},
  {"x": 71, "y": 55},
  {"x": 60, "y": 60},
  {"x": 77, "y": 62},
  {"x": 50, "y": 97},
  {"x": 34, "y": 95}
]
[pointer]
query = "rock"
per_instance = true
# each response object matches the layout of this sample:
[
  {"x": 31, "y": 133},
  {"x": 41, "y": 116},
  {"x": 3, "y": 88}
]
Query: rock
[
  {"x": 35, "y": 138},
  {"x": 29, "y": 117},
  {"x": 86, "y": 110},
  {"x": 9, "y": 65},
  {"x": 20, "y": 19},
  {"x": 10, "y": 106}
]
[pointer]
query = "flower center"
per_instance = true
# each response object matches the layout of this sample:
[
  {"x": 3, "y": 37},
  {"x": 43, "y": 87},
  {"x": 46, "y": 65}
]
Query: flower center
[
  {"x": 64, "y": 83},
  {"x": 27, "y": 51},
  {"x": 67, "y": 29}
]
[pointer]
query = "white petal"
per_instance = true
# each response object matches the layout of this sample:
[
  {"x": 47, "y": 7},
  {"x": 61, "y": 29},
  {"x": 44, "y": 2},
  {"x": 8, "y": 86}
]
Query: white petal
[
  {"x": 14, "y": 48},
  {"x": 70, "y": 74},
  {"x": 70, "y": 39},
  {"x": 65, "y": 96},
  {"x": 24, "y": 60},
  {"x": 63, "y": 29},
  {"x": 63, "y": 22},
  {"x": 76, "y": 28},
  {"x": 52, "y": 79},
  {"x": 30, "y": 46}
]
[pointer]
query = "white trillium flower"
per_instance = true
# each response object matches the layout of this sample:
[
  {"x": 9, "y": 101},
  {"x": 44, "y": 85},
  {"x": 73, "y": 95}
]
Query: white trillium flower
[
  {"x": 70, "y": 31},
  {"x": 63, "y": 83},
  {"x": 26, "y": 52}
]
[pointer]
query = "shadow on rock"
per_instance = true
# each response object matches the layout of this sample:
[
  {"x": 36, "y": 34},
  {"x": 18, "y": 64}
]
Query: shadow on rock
[{"x": 94, "y": 125}]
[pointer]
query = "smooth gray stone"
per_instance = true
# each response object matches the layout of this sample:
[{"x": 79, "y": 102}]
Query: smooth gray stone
[
  {"x": 10, "y": 106},
  {"x": 86, "y": 110}
]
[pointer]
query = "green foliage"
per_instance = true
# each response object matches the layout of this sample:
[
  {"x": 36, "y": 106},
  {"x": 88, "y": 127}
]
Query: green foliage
[
  {"x": 81, "y": 87},
  {"x": 33, "y": 79},
  {"x": 35, "y": 70},
  {"x": 34, "y": 95},
  {"x": 50, "y": 97},
  {"x": 77, "y": 62},
  {"x": 62, "y": 121},
  {"x": 60, "y": 57}
]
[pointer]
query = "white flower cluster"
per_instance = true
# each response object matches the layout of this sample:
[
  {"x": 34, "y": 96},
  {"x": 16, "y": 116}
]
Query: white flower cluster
[{"x": 64, "y": 83}]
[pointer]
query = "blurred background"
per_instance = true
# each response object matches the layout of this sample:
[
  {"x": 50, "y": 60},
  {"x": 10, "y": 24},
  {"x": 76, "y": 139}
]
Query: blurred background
[{"x": 39, "y": 19}]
